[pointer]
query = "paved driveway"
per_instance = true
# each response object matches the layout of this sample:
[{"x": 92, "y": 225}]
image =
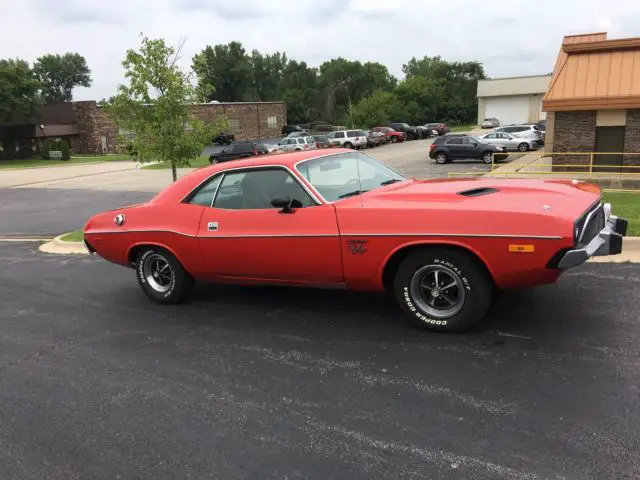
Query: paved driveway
[
  {"x": 411, "y": 158},
  {"x": 291, "y": 383}
]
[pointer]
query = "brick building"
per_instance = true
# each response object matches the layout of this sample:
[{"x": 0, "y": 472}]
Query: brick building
[
  {"x": 89, "y": 129},
  {"x": 593, "y": 103}
]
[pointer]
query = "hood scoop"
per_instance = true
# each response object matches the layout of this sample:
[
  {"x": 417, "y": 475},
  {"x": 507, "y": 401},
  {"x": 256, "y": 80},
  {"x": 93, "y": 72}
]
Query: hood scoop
[{"x": 478, "y": 192}]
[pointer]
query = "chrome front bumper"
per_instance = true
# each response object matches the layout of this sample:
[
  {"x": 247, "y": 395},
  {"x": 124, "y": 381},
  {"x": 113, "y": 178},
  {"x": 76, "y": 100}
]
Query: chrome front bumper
[{"x": 607, "y": 242}]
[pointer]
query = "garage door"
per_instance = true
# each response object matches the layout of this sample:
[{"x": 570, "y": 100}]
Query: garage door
[{"x": 508, "y": 110}]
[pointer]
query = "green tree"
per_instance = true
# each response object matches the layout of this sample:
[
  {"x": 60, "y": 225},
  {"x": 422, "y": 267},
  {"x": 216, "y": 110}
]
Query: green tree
[
  {"x": 297, "y": 88},
  {"x": 224, "y": 73},
  {"x": 458, "y": 83},
  {"x": 267, "y": 72},
  {"x": 378, "y": 109},
  {"x": 19, "y": 89},
  {"x": 155, "y": 107},
  {"x": 60, "y": 74}
]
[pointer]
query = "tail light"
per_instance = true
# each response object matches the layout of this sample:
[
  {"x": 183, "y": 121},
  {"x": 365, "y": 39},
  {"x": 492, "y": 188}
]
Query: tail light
[
  {"x": 255, "y": 152},
  {"x": 306, "y": 146},
  {"x": 432, "y": 147}
]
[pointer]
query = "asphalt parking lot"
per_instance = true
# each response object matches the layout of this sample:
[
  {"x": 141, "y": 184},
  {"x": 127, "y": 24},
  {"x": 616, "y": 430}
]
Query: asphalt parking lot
[{"x": 259, "y": 382}]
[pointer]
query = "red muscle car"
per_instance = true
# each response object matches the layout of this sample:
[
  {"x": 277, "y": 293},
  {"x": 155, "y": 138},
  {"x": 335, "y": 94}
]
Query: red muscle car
[{"x": 341, "y": 219}]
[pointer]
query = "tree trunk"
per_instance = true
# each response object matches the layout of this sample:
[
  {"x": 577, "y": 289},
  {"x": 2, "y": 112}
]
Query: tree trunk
[{"x": 174, "y": 172}]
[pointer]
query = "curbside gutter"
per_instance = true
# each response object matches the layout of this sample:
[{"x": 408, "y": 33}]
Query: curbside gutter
[{"x": 60, "y": 247}]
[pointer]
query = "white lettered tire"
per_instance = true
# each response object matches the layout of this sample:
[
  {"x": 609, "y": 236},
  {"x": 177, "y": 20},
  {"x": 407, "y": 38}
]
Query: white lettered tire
[
  {"x": 443, "y": 289},
  {"x": 161, "y": 276}
]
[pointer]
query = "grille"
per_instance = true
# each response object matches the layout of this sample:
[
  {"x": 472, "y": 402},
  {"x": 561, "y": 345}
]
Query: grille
[{"x": 590, "y": 225}]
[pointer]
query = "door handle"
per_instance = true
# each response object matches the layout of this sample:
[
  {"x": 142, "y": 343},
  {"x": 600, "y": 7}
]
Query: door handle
[{"x": 212, "y": 226}]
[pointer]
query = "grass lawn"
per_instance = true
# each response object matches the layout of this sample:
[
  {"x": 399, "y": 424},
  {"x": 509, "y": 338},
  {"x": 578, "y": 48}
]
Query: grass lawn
[
  {"x": 201, "y": 161},
  {"x": 464, "y": 128},
  {"x": 40, "y": 163},
  {"x": 76, "y": 236},
  {"x": 626, "y": 205}
]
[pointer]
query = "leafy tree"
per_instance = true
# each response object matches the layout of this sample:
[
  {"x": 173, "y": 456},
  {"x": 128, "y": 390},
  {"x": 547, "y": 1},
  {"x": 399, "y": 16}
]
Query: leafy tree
[
  {"x": 224, "y": 73},
  {"x": 18, "y": 91},
  {"x": 60, "y": 74},
  {"x": 297, "y": 88},
  {"x": 378, "y": 109},
  {"x": 155, "y": 106},
  {"x": 267, "y": 72}
]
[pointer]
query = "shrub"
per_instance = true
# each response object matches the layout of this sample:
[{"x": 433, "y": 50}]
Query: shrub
[
  {"x": 44, "y": 151},
  {"x": 66, "y": 151}
]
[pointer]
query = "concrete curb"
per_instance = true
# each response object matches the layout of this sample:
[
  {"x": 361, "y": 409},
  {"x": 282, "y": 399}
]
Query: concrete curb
[{"x": 60, "y": 247}]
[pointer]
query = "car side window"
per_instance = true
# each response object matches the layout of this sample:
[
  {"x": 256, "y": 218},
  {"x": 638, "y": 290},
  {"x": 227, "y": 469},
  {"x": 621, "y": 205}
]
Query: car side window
[
  {"x": 254, "y": 190},
  {"x": 228, "y": 149},
  {"x": 493, "y": 135},
  {"x": 205, "y": 193},
  {"x": 339, "y": 134},
  {"x": 455, "y": 141},
  {"x": 468, "y": 141}
]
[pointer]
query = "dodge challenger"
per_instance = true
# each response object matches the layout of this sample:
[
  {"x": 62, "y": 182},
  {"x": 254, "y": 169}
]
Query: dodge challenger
[{"x": 342, "y": 219}]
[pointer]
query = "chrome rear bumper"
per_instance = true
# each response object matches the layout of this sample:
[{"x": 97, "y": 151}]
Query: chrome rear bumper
[{"x": 607, "y": 242}]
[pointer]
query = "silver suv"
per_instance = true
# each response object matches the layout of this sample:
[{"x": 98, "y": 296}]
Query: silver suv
[
  {"x": 296, "y": 144},
  {"x": 523, "y": 131},
  {"x": 349, "y": 138}
]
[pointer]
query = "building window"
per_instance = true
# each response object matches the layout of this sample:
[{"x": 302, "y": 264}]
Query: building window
[
  {"x": 272, "y": 122},
  {"x": 234, "y": 123}
]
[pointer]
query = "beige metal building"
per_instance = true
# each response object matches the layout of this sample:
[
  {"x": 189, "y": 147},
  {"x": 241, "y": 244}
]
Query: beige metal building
[{"x": 512, "y": 100}]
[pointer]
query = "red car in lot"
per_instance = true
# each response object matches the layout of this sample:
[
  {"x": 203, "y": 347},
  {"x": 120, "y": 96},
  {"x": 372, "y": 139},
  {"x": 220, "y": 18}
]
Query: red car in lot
[
  {"x": 392, "y": 135},
  {"x": 341, "y": 219}
]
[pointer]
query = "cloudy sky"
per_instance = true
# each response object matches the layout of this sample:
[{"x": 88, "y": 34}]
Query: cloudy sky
[{"x": 510, "y": 38}]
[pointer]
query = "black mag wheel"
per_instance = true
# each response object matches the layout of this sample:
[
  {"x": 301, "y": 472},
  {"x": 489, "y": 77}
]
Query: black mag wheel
[
  {"x": 443, "y": 289},
  {"x": 161, "y": 276}
]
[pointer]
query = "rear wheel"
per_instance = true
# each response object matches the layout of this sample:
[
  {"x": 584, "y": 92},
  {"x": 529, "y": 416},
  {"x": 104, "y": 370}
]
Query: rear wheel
[
  {"x": 213, "y": 160},
  {"x": 443, "y": 289},
  {"x": 441, "y": 158},
  {"x": 487, "y": 157},
  {"x": 394, "y": 139},
  {"x": 161, "y": 276},
  {"x": 523, "y": 147},
  {"x": 348, "y": 145}
]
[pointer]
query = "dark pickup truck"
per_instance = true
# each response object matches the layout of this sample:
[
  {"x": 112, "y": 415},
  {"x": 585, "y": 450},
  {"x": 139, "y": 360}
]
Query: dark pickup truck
[
  {"x": 224, "y": 139},
  {"x": 412, "y": 133}
]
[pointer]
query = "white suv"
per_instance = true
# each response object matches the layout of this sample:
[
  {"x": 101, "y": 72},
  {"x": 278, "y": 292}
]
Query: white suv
[
  {"x": 295, "y": 144},
  {"x": 349, "y": 138}
]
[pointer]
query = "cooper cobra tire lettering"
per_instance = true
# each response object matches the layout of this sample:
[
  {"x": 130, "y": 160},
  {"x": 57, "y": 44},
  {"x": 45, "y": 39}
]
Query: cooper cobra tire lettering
[{"x": 474, "y": 281}]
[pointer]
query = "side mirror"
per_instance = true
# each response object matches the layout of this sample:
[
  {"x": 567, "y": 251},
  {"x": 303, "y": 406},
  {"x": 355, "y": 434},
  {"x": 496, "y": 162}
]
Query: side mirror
[{"x": 286, "y": 204}]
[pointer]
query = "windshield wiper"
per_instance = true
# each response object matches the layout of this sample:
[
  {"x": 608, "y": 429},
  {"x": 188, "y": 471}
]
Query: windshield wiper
[
  {"x": 352, "y": 194},
  {"x": 389, "y": 182}
]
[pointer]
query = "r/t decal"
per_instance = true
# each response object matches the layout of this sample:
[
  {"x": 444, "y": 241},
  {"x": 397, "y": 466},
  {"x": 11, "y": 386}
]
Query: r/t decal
[{"x": 357, "y": 247}]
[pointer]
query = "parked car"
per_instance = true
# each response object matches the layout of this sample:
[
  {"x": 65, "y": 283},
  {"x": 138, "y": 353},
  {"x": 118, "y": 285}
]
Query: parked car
[
  {"x": 524, "y": 131},
  {"x": 490, "y": 123},
  {"x": 346, "y": 220},
  {"x": 287, "y": 129},
  {"x": 323, "y": 141},
  {"x": 373, "y": 140},
  {"x": 224, "y": 139},
  {"x": 392, "y": 135},
  {"x": 293, "y": 144},
  {"x": 424, "y": 131},
  {"x": 237, "y": 150},
  {"x": 382, "y": 138},
  {"x": 510, "y": 142},
  {"x": 439, "y": 128},
  {"x": 349, "y": 138},
  {"x": 458, "y": 147},
  {"x": 412, "y": 133}
]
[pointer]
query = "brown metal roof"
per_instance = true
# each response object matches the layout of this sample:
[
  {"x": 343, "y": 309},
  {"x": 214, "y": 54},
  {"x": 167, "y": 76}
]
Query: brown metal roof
[
  {"x": 57, "y": 130},
  {"x": 594, "y": 73}
]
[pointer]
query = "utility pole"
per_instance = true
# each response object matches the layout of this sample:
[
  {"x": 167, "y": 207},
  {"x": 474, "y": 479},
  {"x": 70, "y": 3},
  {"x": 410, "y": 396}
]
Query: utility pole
[{"x": 351, "y": 112}]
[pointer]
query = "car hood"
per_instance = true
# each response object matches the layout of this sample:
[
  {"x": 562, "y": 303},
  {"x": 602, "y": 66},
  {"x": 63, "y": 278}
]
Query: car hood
[{"x": 554, "y": 198}]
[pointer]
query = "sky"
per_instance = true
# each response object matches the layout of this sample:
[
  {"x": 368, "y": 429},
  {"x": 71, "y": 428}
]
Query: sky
[{"x": 510, "y": 38}]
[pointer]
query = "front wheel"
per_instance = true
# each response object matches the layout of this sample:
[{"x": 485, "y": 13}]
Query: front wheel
[
  {"x": 487, "y": 157},
  {"x": 523, "y": 147},
  {"x": 443, "y": 289},
  {"x": 394, "y": 139},
  {"x": 213, "y": 160},
  {"x": 161, "y": 276}
]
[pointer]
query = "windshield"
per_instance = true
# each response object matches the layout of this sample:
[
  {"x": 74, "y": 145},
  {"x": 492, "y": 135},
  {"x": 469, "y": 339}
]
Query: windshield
[{"x": 346, "y": 174}]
